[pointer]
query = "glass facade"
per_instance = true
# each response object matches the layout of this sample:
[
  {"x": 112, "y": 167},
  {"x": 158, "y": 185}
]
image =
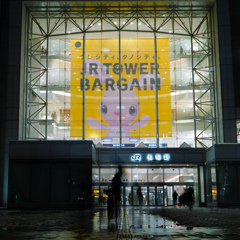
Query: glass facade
[
  {"x": 120, "y": 75},
  {"x": 147, "y": 175},
  {"x": 157, "y": 184}
]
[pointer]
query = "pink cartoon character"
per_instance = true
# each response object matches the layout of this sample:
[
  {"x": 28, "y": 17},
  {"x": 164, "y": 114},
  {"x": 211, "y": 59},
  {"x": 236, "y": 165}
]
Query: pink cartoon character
[{"x": 109, "y": 106}]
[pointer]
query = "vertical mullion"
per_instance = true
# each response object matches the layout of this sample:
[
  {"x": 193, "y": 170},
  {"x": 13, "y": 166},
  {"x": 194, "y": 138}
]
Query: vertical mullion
[
  {"x": 194, "y": 110},
  {"x": 26, "y": 86},
  {"x": 155, "y": 62},
  {"x": 214, "y": 129},
  {"x": 84, "y": 72},
  {"x": 47, "y": 65},
  {"x": 120, "y": 92},
  {"x": 156, "y": 88},
  {"x": 193, "y": 82},
  {"x": 65, "y": 69},
  {"x": 29, "y": 84},
  {"x": 47, "y": 87}
]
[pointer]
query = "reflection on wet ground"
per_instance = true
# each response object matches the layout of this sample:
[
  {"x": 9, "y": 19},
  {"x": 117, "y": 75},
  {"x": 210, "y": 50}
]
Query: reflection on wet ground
[
  {"x": 134, "y": 223},
  {"x": 83, "y": 226},
  {"x": 142, "y": 225}
]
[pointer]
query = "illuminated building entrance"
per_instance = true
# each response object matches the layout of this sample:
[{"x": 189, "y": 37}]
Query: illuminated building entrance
[
  {"x": 158, "y": 172},
  {"x": 154, "y": 193}
]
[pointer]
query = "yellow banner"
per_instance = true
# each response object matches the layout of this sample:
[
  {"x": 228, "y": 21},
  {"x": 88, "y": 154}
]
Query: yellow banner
[
  {"x": 124, "y": 5},
  {"x": 136, "y": 78}
]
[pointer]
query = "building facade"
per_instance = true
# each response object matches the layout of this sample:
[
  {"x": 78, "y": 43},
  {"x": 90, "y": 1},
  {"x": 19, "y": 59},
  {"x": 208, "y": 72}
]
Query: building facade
[{"x": 145, "y": 85}]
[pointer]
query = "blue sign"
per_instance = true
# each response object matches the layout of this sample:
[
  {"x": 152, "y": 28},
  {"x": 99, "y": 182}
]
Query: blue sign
[
  {"x": 118, "y": 145},
  {"x": 133, "y": 139},
  {"x": 154, "y": 145},
  {"x": 163, "y": 145},
  {"x": 78, "y": 44},
  {"x": 107, "y": 140}
]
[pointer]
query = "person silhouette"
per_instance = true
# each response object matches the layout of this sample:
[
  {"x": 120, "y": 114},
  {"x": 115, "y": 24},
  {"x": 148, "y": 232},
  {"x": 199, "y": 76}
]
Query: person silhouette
[
  {"x": 140, "y": 196},
  {"x": 116, "y": 184},
  {"x": 175, "y": 195},
  {"x": 110, "y": 204},
  {"x": 190, "y": 198}
]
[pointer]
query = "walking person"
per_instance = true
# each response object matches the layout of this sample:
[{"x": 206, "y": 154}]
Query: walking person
[
  {"x": 175, "y": 195},
  {"x": 116, "y": 183},
  {"x": 140, "y": 196},
  {"x": 190, "y": 197},
  {"x": 110, "y": 204}
]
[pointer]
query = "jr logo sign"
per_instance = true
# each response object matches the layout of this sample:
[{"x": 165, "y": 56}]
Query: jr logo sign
[{"x": 136, "y": 158}]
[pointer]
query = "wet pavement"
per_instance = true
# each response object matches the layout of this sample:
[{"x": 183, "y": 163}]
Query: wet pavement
[
  {"x": 137, "y": 223},
  {"x": 133, "y": 223}
]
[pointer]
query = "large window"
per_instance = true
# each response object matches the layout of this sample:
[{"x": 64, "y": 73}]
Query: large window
[
  {"x": 153, "y": 175},
  {"x": 139, "y": 174},
  {"x": 171, "y": 175},
  {"x": 107, "y": 174},
  {"x": 95, "y": 175},
  {"x": 186, "y": 175},
  {"x": 120, "y": 75}
]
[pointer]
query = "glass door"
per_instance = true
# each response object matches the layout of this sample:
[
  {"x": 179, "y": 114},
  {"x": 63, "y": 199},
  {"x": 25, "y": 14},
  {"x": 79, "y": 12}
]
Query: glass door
[
  {"x": 122, "y": 196},
  {"x": 103, "y": 196},
  {"x": 95, "y": 195},
  {"x": 180, "y": 189},
  {"x": 144, "y": 193},
  {"x": 135, "y": 196},
  {"x": 128, "y": 196},
  {"x": 169, "y": 195},
  {"x": 152, "y": 199},
  {"x": 160, "y": 196},
  {"x": 137, "y": 193}
]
